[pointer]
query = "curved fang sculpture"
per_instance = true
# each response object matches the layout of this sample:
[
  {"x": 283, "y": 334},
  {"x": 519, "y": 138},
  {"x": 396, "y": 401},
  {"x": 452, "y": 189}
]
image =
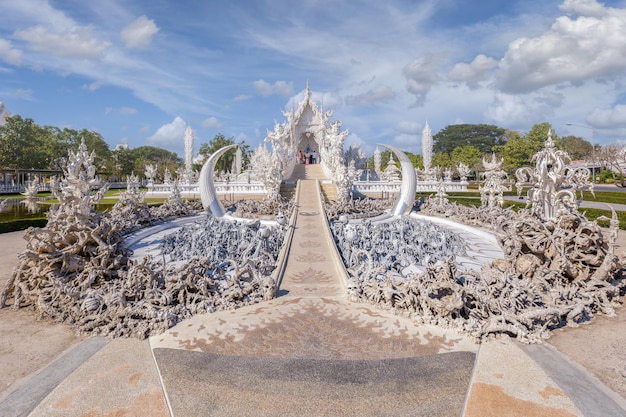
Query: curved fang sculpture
[
  {"x": 406, "y": 199},
  {"x": 207, "y": 188}
]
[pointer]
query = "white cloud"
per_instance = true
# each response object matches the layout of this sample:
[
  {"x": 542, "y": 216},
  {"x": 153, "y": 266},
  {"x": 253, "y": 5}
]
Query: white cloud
[
  {"x": 571, "y": 51},
  {"x": 139, "y": 33},
  {"x": 380, "y": 93},
  {"x": 94, "y": 85},
  {"x": 9, "y": 54},
  {"x": 212, "y": 123},
  {"x": 412, "y": 128},
  {"x": 408, "y": 142},
  {"x": 242, "y": 97},
  {"x": 421, "y": 75},
  {"x": 508, "y": 110},
  {"x": 79, "y": 43},
  {"x": 22, "y": 93},
  {"x": 473, "y": 73},
  {"x": 583, "y": 7},
  {"x": 282, "y": 88},
  {"x": 170, "y": 134},
  {"x": 127, "y": 110},
  {"x": 608, "y": 118}
]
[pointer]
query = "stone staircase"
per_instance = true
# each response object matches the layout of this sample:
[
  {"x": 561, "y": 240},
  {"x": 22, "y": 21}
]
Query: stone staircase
[{"x": 309, "y": 172}]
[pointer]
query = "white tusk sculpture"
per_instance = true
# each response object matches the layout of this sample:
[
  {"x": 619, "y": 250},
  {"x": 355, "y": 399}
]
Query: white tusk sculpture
[
  {"x": 406, "y": 199},
  {"x": 205, "y": 183}
]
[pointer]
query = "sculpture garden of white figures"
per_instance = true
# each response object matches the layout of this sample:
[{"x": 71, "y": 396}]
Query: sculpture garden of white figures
[
  {"x": 76, "y": 269},
  {"x": 557, "y": 271},
  {"x": 492, "y": 191}
]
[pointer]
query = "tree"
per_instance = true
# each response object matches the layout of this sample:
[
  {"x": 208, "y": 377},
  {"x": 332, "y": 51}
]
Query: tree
[
  {"x": 614, "y": 156},
  {"x": 416, "y": 160},
  {"x": 576, "y": 147},
  {"x": 469, "y": 155},
  {"x": 23, "y": 144},
  {"x": 442, "y": 160},
  {"x": 483, "y": 137},
  {"x": 152, "y": 155},
  {"x": 226, "y": 160},
  {"x": 519, "y": 150}
]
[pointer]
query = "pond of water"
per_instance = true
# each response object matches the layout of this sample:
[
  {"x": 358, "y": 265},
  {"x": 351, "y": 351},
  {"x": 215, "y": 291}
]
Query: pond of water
[{"x": 22, "y": 208}]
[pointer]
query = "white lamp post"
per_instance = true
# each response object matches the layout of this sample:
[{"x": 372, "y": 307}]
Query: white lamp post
[{"x": 593, "y": 148}]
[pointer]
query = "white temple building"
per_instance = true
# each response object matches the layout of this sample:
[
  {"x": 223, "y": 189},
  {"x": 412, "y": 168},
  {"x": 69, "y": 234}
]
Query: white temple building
[{"x": 306, "y": 145}]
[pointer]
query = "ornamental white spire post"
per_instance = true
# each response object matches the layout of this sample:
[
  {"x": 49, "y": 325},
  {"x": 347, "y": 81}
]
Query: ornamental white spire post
[
  {"x": 188, "y": 148},
  {"x": 427, "y": 147}
]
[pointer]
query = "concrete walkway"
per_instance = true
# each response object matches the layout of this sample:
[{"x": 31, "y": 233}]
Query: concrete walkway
[{"x": 309, "y": 352}]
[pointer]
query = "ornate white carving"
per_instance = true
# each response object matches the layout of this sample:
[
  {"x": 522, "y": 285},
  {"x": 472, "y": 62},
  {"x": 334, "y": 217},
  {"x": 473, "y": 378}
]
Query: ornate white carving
[
  {"x": 491, "y": 192},
  {"x": 555, "y": 183}
]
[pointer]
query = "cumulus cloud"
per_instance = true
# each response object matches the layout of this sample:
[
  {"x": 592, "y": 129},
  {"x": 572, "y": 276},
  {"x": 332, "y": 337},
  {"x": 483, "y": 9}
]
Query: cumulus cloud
[
  {"x": 608, "y": 118},
  {"x": 508, "y": 110},
  {"x": 79, "y": 43},
  {"x": 380, "y": 93},
  {"x": 408, "y": 142},
  {"x": 169, "y": 134},
  {"x": 476, "y": 71},
  {"x": 583, "y": 7},
  {"x": 139, "y": 33},
  {"x": 211, "y": 123},
  {"x": 282, "y": 88},
  {"x": 8, "y": 54},
  {"x": 408, "y": 127},
  {"x": 571, "y": 51},
  {"x": 421, "y": 75}
]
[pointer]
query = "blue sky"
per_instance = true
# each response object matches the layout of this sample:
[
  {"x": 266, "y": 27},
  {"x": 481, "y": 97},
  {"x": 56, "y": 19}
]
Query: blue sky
[{"x": 138, "y": 71}]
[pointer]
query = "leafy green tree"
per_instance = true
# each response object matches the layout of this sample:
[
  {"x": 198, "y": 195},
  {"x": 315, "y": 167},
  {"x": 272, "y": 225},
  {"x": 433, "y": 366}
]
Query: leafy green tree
[
  {"x": 416, "y": 160},
  {"x": 576, "y": 147},
  {"x": 519, "y": 150},
  {"x": 23, "y": 144},
  {"x": 481, "y": 136},
  {"x": 163, "y": 159},
  {"x": 225, "y": 162},
  {"x": 442, "y": 160},
  {"x": 468, "y": 154}
]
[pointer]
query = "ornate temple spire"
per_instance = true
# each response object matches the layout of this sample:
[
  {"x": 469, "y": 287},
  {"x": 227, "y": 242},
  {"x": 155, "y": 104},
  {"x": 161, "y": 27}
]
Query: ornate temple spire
[
  {"x": 188, "y": 148},
  {"x": 427, "y": 146}
]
